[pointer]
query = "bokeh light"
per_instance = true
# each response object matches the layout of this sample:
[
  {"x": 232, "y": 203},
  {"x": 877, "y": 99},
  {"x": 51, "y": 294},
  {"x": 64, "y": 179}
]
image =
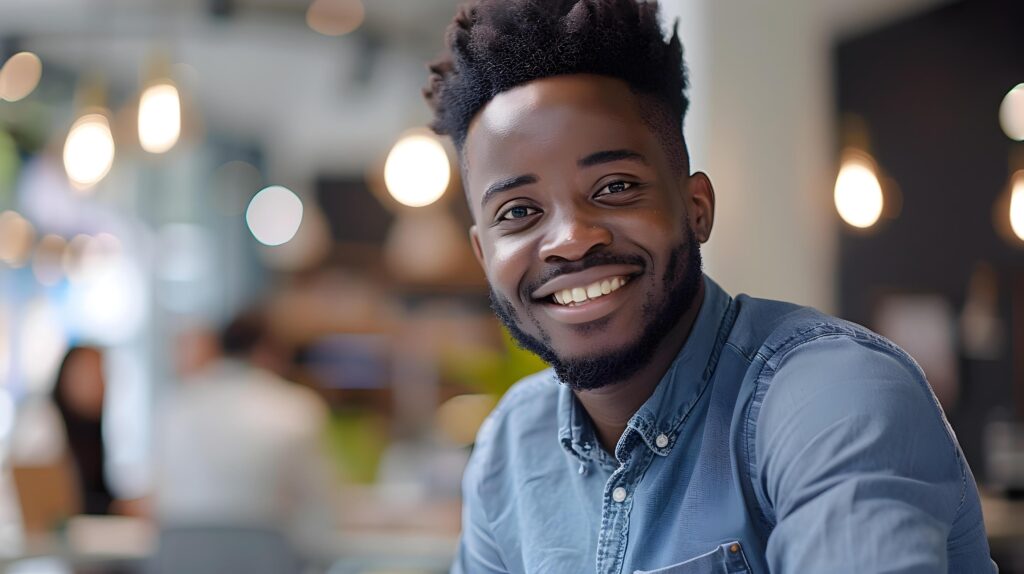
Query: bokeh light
[
  {"x": 16, "y": 237},
  {"x": 335, "y": 17},
  {"x": 858, "y": 194},
  {"x": 85, "y": 255},
  {"x": 89, "y": 150},
  {"x": 1011, "y": 113},
  {"x": 274, "y": 215},
  {"x": 159, "y": 117},
  {"x": 417, "y": 170},
  {"x": 20, "y": 76},
  {"x": 110, "y": 303},
  {"x": 1017, "y": 205},
  {"x": 48, "y": 258}
]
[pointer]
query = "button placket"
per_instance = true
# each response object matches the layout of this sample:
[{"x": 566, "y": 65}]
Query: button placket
[{"x": 618, "y": 499}]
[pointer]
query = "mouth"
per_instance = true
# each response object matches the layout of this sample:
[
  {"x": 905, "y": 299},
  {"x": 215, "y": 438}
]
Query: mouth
[
  {"x": 580, "y": 295},
  {"x": 586, "y": 296}
]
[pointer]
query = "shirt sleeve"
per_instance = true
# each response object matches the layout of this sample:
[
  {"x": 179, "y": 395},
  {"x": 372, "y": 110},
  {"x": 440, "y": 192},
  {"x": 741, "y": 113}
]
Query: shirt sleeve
[
  {"x": 478, "y": 550},
  {"x": 857, "y": 462}
]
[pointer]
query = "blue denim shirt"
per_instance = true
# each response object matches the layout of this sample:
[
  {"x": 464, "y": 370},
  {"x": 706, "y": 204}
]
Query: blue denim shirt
[{"x": 780, "y": 440}]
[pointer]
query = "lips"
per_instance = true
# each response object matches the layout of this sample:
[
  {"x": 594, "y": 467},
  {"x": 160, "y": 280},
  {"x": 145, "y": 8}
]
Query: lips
[
  {"x": 588, "y": 295},
  {"x": 586, "y": 279}
]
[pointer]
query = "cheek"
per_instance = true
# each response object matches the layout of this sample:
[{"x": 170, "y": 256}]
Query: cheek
[
  {"x": 654, "y": 230},
  {"x": 508, "y": 261}
]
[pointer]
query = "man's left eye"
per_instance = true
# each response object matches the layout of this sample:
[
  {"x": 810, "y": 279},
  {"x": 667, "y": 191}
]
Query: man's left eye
[{"x": 615, "y": 187}]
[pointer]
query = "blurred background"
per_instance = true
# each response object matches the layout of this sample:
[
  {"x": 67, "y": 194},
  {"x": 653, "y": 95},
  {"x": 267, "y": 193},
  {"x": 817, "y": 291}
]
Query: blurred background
[{"x": 239, "y": 314}]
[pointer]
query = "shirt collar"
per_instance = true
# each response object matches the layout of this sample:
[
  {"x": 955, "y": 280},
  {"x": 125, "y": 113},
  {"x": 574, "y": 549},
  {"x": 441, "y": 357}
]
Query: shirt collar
[{"x": 658, "y": 420}]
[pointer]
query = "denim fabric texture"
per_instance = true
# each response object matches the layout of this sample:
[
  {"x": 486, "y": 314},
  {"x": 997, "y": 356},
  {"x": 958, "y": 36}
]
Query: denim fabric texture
[{"x": 780, "y": 440}]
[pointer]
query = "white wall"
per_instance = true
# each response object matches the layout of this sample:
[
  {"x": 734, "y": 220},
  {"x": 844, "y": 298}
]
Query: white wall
[{"x": 760, "y": 127}]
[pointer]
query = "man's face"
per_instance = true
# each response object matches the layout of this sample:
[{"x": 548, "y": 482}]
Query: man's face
[{"x": 586, "y": 228}]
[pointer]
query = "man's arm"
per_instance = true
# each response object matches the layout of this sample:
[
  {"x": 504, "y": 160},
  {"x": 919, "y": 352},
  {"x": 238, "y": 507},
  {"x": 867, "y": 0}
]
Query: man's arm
[
  {"x": 478, "y": 551},
  {"x": 857, "y": 462}
]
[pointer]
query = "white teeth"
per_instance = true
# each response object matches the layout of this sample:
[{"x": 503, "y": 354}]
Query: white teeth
[{"x": 578, "y": 295}]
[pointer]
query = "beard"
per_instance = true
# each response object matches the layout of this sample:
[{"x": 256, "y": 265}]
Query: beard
[{"x": 679, "y": 289}]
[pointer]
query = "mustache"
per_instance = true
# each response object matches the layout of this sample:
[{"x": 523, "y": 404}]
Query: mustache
[{"x": 591, "y": 260}]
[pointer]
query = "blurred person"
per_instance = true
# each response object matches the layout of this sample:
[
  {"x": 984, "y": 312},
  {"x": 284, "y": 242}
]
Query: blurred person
[
  {"x": 679, "y": 429},
  {"x": 242, "y": 480},
  {"x": 57, "y": 451},
  {"x": 79, "y": 395}
]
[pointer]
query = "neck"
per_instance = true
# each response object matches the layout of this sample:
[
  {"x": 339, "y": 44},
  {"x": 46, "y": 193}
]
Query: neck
[{"x": 611, "y": 407}]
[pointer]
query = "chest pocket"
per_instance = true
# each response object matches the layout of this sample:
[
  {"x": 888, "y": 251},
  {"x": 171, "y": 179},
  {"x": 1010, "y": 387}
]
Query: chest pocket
[{"x": 726, "y": 559}]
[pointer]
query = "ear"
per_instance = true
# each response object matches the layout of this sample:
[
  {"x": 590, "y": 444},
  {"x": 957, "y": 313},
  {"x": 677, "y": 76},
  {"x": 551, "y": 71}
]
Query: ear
[
  {"x": 474, "y": 239},
  {"x": 701, "y": 206}
]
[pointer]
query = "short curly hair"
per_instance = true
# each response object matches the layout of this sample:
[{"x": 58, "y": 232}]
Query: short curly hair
[{"x": 496, "y": 45}]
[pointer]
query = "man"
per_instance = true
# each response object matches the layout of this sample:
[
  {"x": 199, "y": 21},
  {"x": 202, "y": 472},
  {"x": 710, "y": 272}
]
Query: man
[
  {"x": 243, "y": 484},
  {"x": 679, "y": 429}
]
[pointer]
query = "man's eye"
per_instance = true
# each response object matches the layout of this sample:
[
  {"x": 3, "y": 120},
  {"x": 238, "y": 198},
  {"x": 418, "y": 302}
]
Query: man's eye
[
  {"x": 517, "y": 212},
  {"x": 615, "y": 187}
]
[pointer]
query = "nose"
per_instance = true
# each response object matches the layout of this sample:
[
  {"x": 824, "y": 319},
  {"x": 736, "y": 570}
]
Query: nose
[{"x": 573, "y": 236}]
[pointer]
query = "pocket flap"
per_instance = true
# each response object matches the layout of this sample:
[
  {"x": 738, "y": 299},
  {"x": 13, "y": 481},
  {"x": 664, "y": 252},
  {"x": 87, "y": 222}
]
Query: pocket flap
[{"x": 728, "y": 558}]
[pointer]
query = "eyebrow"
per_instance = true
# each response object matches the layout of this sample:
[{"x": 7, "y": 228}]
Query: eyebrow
[
  {"x": 505, "y": 185},
  {"x": 609, "y": 156},
  {"x": 596, "y": 158}
]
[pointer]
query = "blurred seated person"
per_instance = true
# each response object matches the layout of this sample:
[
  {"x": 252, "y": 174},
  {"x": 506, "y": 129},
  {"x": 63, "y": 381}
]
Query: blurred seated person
[
  {"x": 57, "y": 453},
  {"x": 78, "y": 395},
  {"x": 242, "y": 482}
]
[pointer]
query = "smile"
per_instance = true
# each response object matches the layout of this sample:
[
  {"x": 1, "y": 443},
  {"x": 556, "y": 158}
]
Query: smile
[
  {"x": 586, "y": 296},
  {"x": 578, "y": 295}
]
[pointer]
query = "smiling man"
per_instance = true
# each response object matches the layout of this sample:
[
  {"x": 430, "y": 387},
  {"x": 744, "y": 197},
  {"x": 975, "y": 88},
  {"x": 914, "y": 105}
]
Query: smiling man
[{"x": 679, "y": 429}]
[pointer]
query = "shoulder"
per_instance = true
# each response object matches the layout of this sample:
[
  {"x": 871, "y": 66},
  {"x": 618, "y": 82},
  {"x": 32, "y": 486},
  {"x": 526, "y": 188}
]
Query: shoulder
[
  {"x": 524, "y": 421},
  {"x": 528, "y": 404},
  {"x": 817, "y": 353},
  {"x": 839, "y": 392}
]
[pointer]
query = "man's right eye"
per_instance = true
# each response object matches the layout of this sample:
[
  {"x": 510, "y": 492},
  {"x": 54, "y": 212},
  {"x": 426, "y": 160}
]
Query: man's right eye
[{"x": 517, "y": 212}]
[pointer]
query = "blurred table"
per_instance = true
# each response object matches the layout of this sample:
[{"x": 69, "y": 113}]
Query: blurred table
[{"x": 92, "y": 542}]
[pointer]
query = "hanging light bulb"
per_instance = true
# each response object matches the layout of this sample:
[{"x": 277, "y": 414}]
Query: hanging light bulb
[
  {"x": 858, "y": 193},
  {"x": 159, "y": 117},
  {"x": 19, "y": 76},
  {"x": 1011, "y": 113},
  {"x": 1017, "y": 204},
  {"x": 89, "y": 150},
  {"x": 335, "y": 17},
  {"x": 417, "y": 171}
]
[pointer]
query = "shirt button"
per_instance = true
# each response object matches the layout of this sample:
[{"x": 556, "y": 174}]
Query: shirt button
[
  {"x": 661, "y": 441},
  {"x": 619, "y": 494}
]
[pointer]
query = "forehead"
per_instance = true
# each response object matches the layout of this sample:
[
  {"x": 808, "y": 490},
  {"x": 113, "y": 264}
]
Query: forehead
[{"x": 551, "y": 121}]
